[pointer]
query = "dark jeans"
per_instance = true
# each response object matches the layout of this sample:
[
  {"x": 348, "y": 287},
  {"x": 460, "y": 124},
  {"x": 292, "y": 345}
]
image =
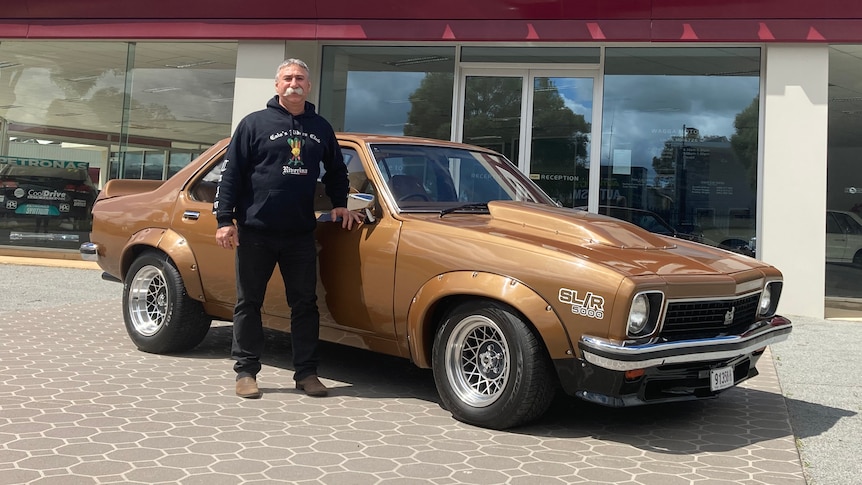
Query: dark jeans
[{"x": 256, "y": 257}]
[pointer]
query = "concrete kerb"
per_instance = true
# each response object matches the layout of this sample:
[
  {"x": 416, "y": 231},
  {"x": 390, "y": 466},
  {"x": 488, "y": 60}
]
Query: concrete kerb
[{"x": 63, "y": 258}]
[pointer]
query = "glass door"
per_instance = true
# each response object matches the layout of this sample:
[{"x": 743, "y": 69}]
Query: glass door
[
  {"x": 492, "y": 112},
  {"x": 560, "y": 133},
  {"x": 540, "y": 120}
]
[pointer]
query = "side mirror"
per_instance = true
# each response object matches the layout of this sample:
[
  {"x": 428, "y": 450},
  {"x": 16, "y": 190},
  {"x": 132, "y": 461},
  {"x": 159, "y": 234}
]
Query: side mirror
[
  {"x": 362, "y": 202},
  {"x": 355, "y": 202},
  {"x": 358, "y": 202}
]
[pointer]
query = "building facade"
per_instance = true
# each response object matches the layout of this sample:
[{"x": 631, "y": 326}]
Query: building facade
[{"x": 738, "y": 123}]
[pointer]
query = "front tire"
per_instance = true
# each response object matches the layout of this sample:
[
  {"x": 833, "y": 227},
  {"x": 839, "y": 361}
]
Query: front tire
[
  {"x": 160, "y": 317},
  {"x": 489, "y": 367}
]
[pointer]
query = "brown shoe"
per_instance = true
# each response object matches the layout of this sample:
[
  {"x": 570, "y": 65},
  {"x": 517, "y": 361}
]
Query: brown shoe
[
  {"x": 312, "y": 386},
  {"x": 247, "y": 388}
]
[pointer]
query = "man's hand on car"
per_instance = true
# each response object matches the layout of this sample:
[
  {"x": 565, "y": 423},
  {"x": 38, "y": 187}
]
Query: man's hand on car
[{"x": 348, "y": 217}]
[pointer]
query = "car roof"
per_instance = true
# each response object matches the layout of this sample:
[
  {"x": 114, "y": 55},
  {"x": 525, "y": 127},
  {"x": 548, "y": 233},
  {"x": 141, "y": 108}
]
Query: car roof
[
  {"x": 394, "y": 139},
  {"x": 849, "y": 213},
  {"x": 406, "y": 140}
]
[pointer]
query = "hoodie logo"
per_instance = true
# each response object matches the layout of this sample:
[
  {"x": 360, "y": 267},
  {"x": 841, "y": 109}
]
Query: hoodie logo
[
  {"x": 296, "y": 140},
  {"x": 295, "y": 151},
  {"x": 294, "y": 165}
]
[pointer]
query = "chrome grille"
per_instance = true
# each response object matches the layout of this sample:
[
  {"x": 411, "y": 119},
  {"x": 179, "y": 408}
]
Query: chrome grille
[{"x": 707, "y": 318}]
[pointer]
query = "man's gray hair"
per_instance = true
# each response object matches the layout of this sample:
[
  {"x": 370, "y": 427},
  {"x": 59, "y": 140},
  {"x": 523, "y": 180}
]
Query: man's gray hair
[{"x": 292, "y": 62}]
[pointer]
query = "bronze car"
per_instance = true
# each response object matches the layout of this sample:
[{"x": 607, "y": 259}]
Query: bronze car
[{"x": 464, "y": 266}]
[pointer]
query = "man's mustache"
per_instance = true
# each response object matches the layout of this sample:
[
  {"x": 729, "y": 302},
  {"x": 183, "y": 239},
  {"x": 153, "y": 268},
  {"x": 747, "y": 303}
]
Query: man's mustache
[{"x": 289, "y": 91}]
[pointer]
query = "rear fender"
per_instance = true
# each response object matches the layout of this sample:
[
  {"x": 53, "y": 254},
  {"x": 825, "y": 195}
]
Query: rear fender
[
  {"x": 175, "y": 246},
  {"x": 421, "y": 317},
  {"x": 118, "y": 187}
]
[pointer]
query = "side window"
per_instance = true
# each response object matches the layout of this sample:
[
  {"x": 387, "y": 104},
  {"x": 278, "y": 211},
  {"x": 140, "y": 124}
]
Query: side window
[
  {"x": 832, "y": 225},
  {"x": 204, "y": 189},
  {"x": 355, "y": 170},
  {"x": 848, "y": 225}
]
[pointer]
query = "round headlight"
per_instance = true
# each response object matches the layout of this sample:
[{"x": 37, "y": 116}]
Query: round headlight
[
  {"x": 765, "y": 301},
  {"x": 639, "y": 315}
]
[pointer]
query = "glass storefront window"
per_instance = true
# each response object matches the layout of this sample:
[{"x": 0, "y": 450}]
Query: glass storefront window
[
  {"x": 389, "y": 90},
  {"x": 181, "y": 92},
  {"x": 844, "y": 183},
  {"x": 680, "y": 138},
  {"x": 178, "y": 161},
  {"x": 133, "y": 162},
  {"x": 84, "y": 112},
  {"x": 154, "y": 166}
]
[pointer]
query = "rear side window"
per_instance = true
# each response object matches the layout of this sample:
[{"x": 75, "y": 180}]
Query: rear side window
[{"x": 204, "y": 189}]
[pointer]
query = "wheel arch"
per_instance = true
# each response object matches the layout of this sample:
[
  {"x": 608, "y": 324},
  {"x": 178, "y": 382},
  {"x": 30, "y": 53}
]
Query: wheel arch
[
  {"x": 442, "y": 293},
  {"x": 175, "y": 247}
]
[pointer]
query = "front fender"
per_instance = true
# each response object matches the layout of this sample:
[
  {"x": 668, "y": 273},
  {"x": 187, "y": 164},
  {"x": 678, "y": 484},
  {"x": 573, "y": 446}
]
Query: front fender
[
  {"x": 421, "y": 326},
  {"x": 176, "y": 247}
]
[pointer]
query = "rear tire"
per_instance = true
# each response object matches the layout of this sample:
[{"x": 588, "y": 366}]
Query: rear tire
[
  {"x": 489, "y": 367},
  {"x": 160, "y": 317}
]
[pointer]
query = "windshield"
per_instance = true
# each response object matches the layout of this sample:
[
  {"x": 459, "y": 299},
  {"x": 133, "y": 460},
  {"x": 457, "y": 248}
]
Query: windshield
[{"x": 433, "y": 178}]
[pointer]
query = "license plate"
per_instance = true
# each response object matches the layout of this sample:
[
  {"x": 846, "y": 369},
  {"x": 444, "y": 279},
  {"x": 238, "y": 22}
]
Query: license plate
[{"x": 720, "y": 378}]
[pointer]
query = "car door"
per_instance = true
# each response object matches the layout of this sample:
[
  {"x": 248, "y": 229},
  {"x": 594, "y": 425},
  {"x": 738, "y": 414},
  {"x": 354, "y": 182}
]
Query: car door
[
  {"x": 195, "y": 221},
  {"x": 356, "y": 271},
  {"x": 850, "y": 239}
]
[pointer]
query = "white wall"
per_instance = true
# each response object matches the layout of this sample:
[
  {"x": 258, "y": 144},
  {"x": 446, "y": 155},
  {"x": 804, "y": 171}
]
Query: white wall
[
  {"x": 792, "y": 210},
  {"x": 256, "y": 62}
]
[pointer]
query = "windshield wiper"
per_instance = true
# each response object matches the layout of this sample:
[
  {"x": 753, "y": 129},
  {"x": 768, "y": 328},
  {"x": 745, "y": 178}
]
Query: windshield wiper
[{"x": 479, "y": 206}]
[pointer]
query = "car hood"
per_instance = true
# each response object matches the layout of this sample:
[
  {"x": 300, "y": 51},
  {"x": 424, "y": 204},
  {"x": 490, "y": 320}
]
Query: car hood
[
  {"x": 589, "y": 229},
  {"x": 600, "y": 239}
]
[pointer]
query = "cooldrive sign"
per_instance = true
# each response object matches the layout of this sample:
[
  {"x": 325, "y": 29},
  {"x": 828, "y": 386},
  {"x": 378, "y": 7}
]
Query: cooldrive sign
[
  {"x": 46, "y": 195},
  {"x": 39, "y": 162}
]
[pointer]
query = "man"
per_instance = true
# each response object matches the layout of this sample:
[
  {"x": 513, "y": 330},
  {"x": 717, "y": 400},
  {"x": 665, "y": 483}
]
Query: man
[{"x": 265, "y": 211}]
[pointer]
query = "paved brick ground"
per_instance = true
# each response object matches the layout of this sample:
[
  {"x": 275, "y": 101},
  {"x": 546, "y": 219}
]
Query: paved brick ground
[{"x": 80, "y": 405}]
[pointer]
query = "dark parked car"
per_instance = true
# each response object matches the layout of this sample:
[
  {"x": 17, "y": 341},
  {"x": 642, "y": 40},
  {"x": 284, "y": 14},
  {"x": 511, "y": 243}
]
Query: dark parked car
[
  {"x": 46, "y": 194},
  {"x": 654, "y": 223},
  {"x": 648, "y": 220}
]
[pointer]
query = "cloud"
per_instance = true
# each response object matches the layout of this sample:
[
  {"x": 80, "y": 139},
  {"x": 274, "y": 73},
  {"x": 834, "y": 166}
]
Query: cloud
[
  {"x": 642, "y": 112},
  {"x": 380, "y": 102}
]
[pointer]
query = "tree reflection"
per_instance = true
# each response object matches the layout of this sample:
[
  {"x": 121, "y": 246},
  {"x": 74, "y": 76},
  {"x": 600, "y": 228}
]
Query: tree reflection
[
  {"x": 706, "y": 183},
  {"x": 492, "y": 118}
]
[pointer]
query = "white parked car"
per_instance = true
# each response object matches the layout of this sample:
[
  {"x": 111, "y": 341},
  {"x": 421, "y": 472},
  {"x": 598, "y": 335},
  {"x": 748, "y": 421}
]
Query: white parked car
[{"x": 843, "y": 237}]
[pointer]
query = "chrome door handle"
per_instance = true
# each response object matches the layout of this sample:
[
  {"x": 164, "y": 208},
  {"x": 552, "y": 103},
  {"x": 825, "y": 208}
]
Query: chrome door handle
[{"x": 194, "y": 215}]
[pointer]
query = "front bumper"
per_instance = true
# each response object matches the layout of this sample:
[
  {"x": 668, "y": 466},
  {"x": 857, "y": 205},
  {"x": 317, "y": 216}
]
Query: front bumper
[
  {"x": 617, "y": 357},
  {"x": 665, "y": 371}
]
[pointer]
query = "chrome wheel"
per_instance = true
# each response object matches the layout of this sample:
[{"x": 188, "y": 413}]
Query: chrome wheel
[
  {"x": 159, "y": 315},
  {"x": 148, "y": 300},
  {"x": 477, "y": 361},
  {"x": 489, "y": 367}
]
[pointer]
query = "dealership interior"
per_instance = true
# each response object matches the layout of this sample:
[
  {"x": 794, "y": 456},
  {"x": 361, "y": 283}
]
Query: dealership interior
[{"x": 685, "y": 150}]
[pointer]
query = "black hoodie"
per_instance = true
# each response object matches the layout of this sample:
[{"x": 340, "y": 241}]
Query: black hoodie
[{"x": 271, "y": 170}]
